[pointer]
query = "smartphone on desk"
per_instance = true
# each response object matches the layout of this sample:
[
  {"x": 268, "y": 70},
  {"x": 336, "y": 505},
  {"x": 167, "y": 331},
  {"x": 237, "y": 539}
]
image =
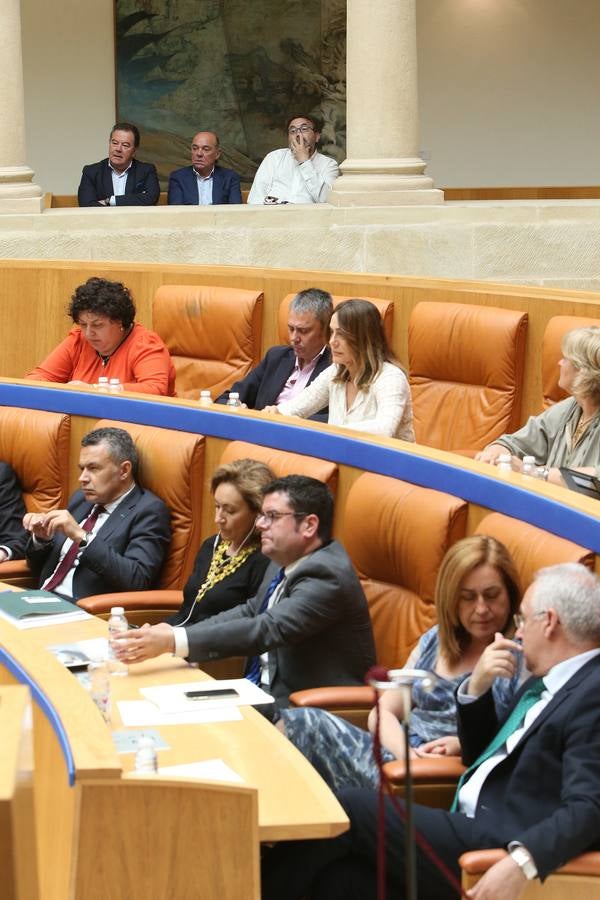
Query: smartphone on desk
[{"x": 207, "y": 694}]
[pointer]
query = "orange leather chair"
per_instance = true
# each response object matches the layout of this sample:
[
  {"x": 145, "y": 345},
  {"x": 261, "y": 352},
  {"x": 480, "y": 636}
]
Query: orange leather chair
[
  {"x": 532, "y": 548},
  {"x": 172, "y": 466},
  {"x": 556, "y": 329},
  {"x": 396, "y": 535},
  {"x": 466, "y": 373},
  {"x": 36, "y": 445},
  {"x": 385, "y": 307},
  {"x": 578, "y": 878},
  {"x": 213, "y": 334},
  {"x": 283, "y": 463}
]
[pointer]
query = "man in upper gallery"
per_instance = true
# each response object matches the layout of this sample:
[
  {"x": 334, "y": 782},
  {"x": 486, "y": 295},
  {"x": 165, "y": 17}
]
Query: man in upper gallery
[
  {"x": 297, "y": 173},
  {"x": 114, "y": 534},
  {"x": 287, "y": 369},
  {"x": 120, "y": 179},
  {"x": 13, "y": 537},
  {"x": 204, "y": 183}
]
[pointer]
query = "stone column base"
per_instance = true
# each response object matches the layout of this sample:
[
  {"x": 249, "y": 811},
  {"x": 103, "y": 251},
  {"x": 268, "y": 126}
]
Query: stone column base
[
  {"x": 384, "y": 190},
  {"x": 17, "y": 191}
]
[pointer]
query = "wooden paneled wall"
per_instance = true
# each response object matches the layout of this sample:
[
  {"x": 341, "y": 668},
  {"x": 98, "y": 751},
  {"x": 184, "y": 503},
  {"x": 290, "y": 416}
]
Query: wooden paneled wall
[{"x": 34, "y": 296}]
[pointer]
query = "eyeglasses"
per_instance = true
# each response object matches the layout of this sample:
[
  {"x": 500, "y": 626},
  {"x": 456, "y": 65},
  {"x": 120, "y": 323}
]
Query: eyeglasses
[
  {"x": 300, "y": 129},
  {"x": 272, "y": 516},
  {"x": 520, "y": 620}
]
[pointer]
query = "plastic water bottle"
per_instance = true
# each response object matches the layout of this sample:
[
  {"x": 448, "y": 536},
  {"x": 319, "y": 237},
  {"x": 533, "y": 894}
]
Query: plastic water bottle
[
  {"x": 102, "y": 385},
  {"x": 115, "y": 386},
  {"x": 117, "y": 624},
  {"x": 529, "y": 467},
  {"x": 233, "y": 399},
  {"x": 504, "y": 464},
  {"x": 205, "y": 398},
  {"x": 146, "y": 761}
]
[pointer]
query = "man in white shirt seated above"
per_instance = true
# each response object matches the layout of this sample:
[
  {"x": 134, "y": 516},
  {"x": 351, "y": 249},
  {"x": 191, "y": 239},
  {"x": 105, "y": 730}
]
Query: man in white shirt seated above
[
  {"x": 298, "y": 173},
  {"x": 114, "y": 534},
  {"x": 287, "y": 369}
]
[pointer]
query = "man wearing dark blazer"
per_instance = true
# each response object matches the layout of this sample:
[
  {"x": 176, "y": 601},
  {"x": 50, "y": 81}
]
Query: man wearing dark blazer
[
  {"x": 204, "y": 183},
  {"x": 534, "y": 792},
  {"x": 308, "y": 625},
  {"x": 286, "y": 370},
  {"x": 13, "y": 537},
  {"x": 120, "y": 179},
  {"x": 114, "y": 534}
]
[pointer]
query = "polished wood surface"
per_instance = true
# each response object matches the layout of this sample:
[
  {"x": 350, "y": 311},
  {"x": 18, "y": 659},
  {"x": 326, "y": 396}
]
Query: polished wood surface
[
  {"x": 45, "y": 286},
  {"x": 18, "y": 859}
]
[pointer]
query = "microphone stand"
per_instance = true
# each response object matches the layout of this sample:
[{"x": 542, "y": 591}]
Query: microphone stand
[{"x": 403, "y": 680}]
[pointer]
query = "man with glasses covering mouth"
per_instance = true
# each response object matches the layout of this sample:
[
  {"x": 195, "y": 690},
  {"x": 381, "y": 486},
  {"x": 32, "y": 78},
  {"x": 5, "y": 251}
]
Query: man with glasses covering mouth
[
  {"x": 297, "y": 173},
  {"x": 308, "y": 624}
]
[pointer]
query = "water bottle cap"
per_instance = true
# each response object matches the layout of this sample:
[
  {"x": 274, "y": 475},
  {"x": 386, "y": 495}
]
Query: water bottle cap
[
  {"x": 114, "y": 381},
  {"x": 145, "y": 742},
  {"x": 103, "y": 379},
  {"x": 117, "y": 611},
  {"x": 529, "y": 460},
  {"x": 233, "y": 395}
]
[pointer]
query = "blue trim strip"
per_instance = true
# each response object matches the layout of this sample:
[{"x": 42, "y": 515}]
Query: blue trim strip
[
  {"x": 45, "y": 705},
  {"x": 488, "y": 491}
]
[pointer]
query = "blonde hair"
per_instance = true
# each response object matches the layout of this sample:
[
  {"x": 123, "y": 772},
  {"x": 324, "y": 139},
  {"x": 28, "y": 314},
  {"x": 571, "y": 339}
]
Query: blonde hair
[
  {"x": 360, "y": 325},
  {"x": 582, "y": 347},
  {"x": 460, "y": 560},
  {"x": 248, "y": 476}
]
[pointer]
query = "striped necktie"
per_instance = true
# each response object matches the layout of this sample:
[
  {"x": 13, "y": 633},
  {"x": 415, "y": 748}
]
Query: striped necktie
[
  {"x": 528, "y": 698},
  {"x": 253, "y": 666}
]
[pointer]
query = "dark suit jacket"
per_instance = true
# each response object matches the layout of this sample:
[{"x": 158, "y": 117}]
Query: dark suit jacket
[
  {"x": 183, "y": 187},
  {"x": 262, "y": 385},
  {"x": 141, "y": 188},
  {"x": 546, "y": 793},
  {"x": 319, "y": 633},
  {"x": 12, "y": 510},
  {"x": 126, "y": 554}
]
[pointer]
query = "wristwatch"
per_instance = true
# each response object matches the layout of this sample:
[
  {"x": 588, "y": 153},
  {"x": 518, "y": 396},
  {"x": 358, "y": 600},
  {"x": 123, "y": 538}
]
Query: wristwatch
[{"x": 523, "y": 859}]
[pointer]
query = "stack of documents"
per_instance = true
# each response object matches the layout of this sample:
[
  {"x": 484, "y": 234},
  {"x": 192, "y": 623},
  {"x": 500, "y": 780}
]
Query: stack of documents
[{"x": 35, "y": 609}]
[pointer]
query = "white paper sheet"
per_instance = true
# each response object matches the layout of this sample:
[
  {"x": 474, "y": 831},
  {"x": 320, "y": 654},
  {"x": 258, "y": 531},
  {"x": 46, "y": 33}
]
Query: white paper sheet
[
  {"x": 171, "y": 698},
  {"x": 139, "y": 713},
  {"x": 206, "y": 770},
  {"x": 44, "y": 621}
]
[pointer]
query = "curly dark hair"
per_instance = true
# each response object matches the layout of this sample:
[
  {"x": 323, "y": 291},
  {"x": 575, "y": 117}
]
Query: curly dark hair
[{"x": 105, "y": 298}]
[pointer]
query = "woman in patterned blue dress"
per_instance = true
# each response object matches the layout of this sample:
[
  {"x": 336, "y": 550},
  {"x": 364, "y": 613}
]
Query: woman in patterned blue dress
[{"x": 476, "y": 595}]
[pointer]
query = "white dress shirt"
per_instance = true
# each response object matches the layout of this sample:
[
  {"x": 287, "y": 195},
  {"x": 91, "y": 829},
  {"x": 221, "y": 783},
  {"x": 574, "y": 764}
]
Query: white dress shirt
[
  {"x": 279, "y": 175},
  {"x": 384, "y": 407},
  {"x": 556, "y": 678},
  {"x": 119, "y": 180},
  {"x": 205, "y": 188}
]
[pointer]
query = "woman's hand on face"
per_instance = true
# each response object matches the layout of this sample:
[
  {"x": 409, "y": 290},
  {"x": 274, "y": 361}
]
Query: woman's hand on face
[
  {"x": 444, "y": 746},
  {"x": 497, "y": 661}
]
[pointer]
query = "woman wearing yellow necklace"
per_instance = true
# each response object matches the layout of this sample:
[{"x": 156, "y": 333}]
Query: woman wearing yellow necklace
[
  {"x": 568, "y": 433},
  {"x": 229, "y": 566}
]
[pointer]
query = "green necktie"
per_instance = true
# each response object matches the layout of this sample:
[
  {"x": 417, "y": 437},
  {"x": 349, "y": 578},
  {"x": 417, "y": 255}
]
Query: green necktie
[{"x": 528, "y": 699}]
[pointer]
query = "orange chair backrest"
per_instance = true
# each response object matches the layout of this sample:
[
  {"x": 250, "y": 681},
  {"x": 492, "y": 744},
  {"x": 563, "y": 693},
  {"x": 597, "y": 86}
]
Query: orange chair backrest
[
  {"x": 466, "y": 373},
  {"x": 397, "y": 534},
  {"x": 556, "y": 329},
  {"x": 532, "y": 548},
  {"x": 172, "y": 467},
  {"x": 212, "y": 333},
  {"x": 36, "y": 445},
  {"x": 283, "y": 463}
]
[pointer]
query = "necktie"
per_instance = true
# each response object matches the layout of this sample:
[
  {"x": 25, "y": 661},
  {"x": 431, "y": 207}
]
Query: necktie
[
  {"x": 253, "y": 666},
  {"x": 69, "y": 558},
  {"x": 529, "y": 698}
]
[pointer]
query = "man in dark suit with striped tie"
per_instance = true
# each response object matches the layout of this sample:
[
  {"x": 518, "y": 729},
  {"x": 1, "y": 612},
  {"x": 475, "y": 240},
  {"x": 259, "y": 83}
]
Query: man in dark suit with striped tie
[
  {"x": 308, "y": 625},
  {"x": 114, "y": 534},
  {"x": 533, "y": 782}
]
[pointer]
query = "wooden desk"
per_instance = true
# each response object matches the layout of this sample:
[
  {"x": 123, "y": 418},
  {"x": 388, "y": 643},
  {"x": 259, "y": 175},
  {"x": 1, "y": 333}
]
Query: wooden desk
[{"x": 293, "y": 800}]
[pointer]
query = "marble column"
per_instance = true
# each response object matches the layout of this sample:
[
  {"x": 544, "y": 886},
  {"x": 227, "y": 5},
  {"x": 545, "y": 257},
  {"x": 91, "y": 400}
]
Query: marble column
[
  {"x": 383, "y": 167},
  {"x": 17, "y": 192}
]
